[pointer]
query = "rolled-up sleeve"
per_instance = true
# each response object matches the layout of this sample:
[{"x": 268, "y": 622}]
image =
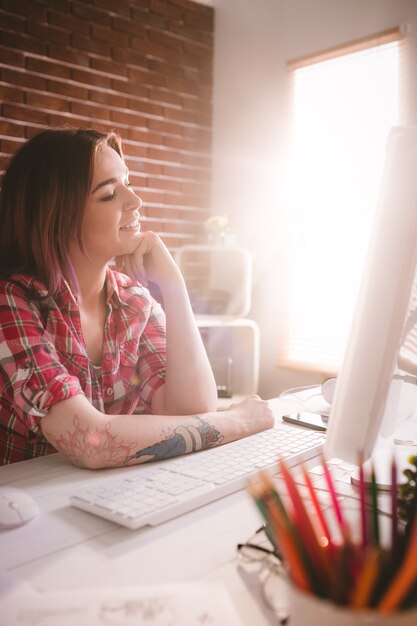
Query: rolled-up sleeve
[{"x": 32, "y": 379}]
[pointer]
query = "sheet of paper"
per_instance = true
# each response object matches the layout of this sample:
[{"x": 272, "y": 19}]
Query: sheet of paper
[{"x": 200, "y": 604}]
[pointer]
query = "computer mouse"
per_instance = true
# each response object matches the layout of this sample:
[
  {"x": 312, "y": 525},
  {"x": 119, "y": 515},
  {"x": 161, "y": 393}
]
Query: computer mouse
[{"x": 16, "y": 507}]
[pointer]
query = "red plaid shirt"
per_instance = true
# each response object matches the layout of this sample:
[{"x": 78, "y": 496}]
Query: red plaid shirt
[{"x": 43, "y": 358}]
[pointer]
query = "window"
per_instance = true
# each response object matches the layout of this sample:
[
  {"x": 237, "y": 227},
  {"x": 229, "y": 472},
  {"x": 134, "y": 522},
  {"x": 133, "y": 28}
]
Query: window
[{"x": 344, "y": 104}]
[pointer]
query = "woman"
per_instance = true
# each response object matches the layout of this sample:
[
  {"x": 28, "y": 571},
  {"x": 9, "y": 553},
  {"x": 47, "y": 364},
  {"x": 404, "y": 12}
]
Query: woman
[{"x": 90, "y": 364}]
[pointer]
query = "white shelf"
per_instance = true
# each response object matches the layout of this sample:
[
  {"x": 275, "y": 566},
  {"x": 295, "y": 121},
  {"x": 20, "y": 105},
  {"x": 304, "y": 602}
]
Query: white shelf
[
  {"x": 218, "y": 280},
  {"x": 233, "y": 350}
]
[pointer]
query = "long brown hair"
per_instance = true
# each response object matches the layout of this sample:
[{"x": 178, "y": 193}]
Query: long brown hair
[{"x": 43, "y": 194}]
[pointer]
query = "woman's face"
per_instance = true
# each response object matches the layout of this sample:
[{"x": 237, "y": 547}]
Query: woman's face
[{"x": 110, "y": 225}]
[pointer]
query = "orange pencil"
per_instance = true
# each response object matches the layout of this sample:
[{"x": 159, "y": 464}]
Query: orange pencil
[
  {"x": 288, "y": 547},
  {"x": 317, "y": 507},
  {"x": 285, "y": 534},
  {"x": 405, "y": 577},
  {"x": 319, "y": 555},
  {"x": 367, "y": 579}
]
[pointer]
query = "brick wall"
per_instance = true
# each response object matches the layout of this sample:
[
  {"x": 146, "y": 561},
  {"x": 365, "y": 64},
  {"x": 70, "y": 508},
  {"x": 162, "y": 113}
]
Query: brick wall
[{"x": 141, "y": 67}]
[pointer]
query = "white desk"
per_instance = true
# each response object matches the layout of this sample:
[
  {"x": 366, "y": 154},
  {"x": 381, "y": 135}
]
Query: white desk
[{"x": 67, "y": 549}]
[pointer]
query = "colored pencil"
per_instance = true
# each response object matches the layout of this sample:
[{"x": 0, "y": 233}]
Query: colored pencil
[
  {"x": 320, "y": 515},
  {"x": 319, "y": 555},
  {"x": 394, "y": 505},
  {"x": 366, "y": 581},
  {"x": 351, "y": 574},
  {"x": 374, "y": 508},
  {"x": 336, "y": 506},
  {"x": 405, "y": 578},
  {"x": 362, "y": 500}
]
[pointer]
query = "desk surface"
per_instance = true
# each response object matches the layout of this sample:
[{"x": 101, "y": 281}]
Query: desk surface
[{"x": 64, "y": 548}]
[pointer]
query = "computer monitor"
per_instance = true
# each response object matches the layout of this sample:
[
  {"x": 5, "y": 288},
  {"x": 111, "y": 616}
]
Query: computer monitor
[{"x": 383, "y": 308}]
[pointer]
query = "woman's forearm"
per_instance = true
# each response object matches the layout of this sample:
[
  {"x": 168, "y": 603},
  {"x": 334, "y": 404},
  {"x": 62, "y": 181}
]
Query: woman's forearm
[
  {"x": 93, "y": 440},
  {"x": 189, "y": 383}
]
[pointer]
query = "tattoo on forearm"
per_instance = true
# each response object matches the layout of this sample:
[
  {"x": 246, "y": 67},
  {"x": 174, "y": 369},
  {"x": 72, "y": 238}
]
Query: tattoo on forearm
[
  {"x": 98, "y": 443},
  {"x": 182, "y": 440}
]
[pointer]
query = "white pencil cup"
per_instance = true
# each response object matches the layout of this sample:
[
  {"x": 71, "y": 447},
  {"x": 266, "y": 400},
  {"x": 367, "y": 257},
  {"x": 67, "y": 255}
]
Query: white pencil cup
[{"x": 308, "y": 610}]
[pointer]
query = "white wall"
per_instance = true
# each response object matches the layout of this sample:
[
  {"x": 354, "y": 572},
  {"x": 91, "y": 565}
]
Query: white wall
[{"x": 254, "y": 39}]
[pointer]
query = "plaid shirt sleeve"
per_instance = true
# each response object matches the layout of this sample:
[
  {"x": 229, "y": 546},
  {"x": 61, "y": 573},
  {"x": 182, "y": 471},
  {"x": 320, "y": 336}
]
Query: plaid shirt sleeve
[{"x": 31, "y": 377}]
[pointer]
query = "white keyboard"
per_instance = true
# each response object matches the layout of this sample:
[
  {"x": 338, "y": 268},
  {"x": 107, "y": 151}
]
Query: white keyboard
[{"x": 154, "y": 493}]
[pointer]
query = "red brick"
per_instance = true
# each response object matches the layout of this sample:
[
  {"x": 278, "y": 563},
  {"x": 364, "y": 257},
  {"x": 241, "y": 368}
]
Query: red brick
[
  {"x": 26, "y": 8},
  {"x": 143, "y": 136},
  {"x": 129, "y": 56},
  {"x": 204, "y": 21},
  {"x": 164, "y": 126},
  {"x": 9, "y": 146},
  {"x": 92, "y": 111},
  {"x": 147, "y": 78},
  {"x": 91, "y": 14},
  {"x": 103, "y": 33},
  {"x": 48, "y": 33},
  {"x": 108, "y": 66},
  {"x": 147, "y": 108},
  {"x": 121, "y": 8},
  {"x": 31, "y": 131},
  {"x": 130, "y": 118},
  {"x": 197, "y": 49},
  {"x": 150, "y": 18},
  {"x": 163, "y": 95},
  {"x": 128, "y": 26},
  {"x": 22, "y": 42},
  {"x": 181, "y": 115},
  {"x": 136, "y": 152},
  {"x": 23, "y": 79},
  {"x": 132, "y": 88},
  {"x": 149, "y": 48},
  {"x": 178, "y": 172},
  {"x": 4, "y": 161},
  {"x": 162, "y": 67},
  {"x": 68, "y": 22},
  {"x": 11, "y": 93},
  {"x": 83, "y": 42},
  {"x": 24, "y": 113},
  {"x": 166, "y": 8},
  {"x": 109, "y": 99},
  {"x": 195, "y": 160},
  {"x": 11, "y": 57},
  {"x": 67, "y": 55},
  {"x": 152, "y": 168},
  {"x": 181, "y": 143},
  {"x": 90, "y": 78},
  {"x": 10, "y": 129},
  {"x": 46, "y": 101},
  {"x": 12, "y": 22},
  {"x": 159, "y": 154},
  {"x": 165, "y": 183},
  {"x": 68, "y": 88},
  {"x": 47, "y": 67},
  {"x": 165, "y": 39},
  {"x": 65, "y": 5}
]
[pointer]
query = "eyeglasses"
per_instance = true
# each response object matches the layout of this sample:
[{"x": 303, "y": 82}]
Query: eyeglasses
[{"x": 259, "y": 552}]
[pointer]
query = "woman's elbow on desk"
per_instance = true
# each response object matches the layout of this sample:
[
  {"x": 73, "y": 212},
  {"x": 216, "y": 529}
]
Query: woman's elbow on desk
[{"x": 83, "y": 434}]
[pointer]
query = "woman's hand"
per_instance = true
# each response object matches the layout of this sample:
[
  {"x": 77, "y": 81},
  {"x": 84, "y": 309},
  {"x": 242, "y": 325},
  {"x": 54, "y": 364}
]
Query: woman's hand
[
  {"x": 150, "y": 261},
  {"x": 251, "y": 416}
]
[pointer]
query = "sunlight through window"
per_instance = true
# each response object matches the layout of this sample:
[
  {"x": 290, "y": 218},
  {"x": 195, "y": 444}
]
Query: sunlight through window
[{"x": 342, "y": 112}]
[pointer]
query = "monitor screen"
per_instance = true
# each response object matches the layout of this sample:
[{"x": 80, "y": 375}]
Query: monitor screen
[{"x": 382, "y": 310}]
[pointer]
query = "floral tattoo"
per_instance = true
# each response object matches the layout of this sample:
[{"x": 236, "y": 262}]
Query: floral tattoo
[{"x": 99, "y": 443}]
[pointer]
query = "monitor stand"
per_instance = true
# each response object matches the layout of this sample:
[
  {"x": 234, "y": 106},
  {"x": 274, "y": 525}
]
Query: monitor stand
[{"x": 381, "y": 460}]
